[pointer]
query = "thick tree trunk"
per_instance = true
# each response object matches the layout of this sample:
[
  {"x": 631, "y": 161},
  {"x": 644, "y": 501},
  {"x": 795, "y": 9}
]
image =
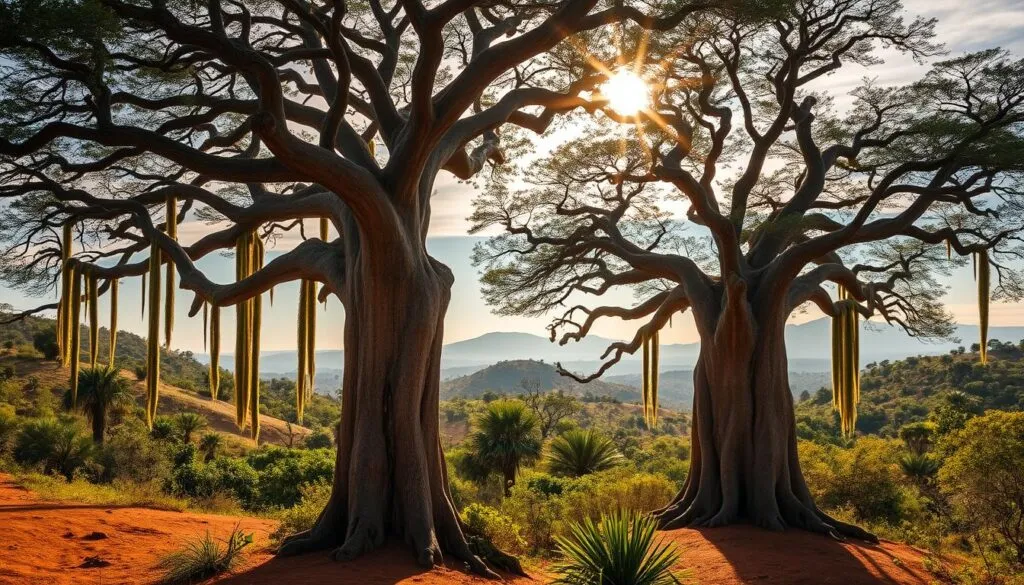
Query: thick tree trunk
[
  {"x": 390, "y": 479},
  {"x": 744, "y": 464}
]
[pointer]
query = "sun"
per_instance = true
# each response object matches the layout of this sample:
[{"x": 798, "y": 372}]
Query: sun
[{"x": 627, "y": 93}]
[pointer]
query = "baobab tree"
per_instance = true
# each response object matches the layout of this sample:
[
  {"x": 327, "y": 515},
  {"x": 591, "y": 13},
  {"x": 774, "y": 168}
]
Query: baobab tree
[
  {"x": 121, "y": 119},
  {"x": 742, "y": 193}
]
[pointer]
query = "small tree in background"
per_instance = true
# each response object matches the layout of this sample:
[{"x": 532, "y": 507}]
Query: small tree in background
[
  {"x": 550, "y": 408},
  {"x": 100, "y": 390},
  {"x": 189, "y": 423},
  {"x": 983, "y": 477},
  {"x": 506, "y": 436}
]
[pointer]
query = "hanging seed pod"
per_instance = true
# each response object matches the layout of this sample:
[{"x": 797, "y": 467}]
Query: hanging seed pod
[
  {"x": 215, "y": 353},
  {"x": 113, "y": 322},
  {"x": 143, "y": 288},
  {"x": 846, "y": 361},
  {"x": 243, "y": 333},
  {"x": 75, "y": 327},
  {"x": 655, "y": 353},
  {"x": 153, "y": 337},
  {"x": 984, "y": 291},
  {"x": 94, "y": 321},
  {"x": 257, "y": 318},
  {"x": 172, "y": 232},
  {"x": 64, "y": 305}
]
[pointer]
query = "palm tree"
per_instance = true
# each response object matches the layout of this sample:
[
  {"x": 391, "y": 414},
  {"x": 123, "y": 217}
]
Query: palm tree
[
  {"x": 101, "y": 389},
  {"x": 189, "y": 423},
  {"x": 209, "y": 444},
  {"x": 919, "y": 467},
  {"x": 506, "y": 436},
  {"x": 579, "y": 452}
]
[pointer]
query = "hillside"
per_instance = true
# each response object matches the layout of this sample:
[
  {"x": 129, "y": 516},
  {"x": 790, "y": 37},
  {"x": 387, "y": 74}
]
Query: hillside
[
  {"x": 675, "y": 388},
  {"x": 177, "y": 368},
  {"x": 506, "y": 377},
  {"x": 894, "y": 393},
  {"x": 36, "y": 375}
]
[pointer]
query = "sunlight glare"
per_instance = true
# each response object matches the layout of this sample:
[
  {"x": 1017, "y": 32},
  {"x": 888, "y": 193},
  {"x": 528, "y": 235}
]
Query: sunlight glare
[{"x": 626, "y": 92}]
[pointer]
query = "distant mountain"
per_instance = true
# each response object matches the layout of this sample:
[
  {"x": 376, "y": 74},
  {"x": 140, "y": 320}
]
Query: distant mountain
[
  {"x": 506, "y": 377},
  {"x": 675, "y": 387},
  {"x": 807, "y": 346}
]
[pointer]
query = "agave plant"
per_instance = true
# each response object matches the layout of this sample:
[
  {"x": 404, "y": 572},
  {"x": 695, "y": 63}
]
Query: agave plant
[
  {"x": 919, "y": 467},
  {"x": 579, "y": 452},
  {"x": 620, "y": 550}
]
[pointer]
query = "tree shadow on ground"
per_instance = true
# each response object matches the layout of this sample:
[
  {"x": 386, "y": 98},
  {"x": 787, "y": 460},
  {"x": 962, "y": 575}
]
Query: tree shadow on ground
[
  {"x": 745, "y": 554},
  {"x": 392, "y": 564}
]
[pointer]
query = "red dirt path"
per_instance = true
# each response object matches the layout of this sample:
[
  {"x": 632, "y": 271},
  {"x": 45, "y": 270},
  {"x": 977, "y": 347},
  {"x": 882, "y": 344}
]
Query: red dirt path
[{"x": 43, "y": 543}]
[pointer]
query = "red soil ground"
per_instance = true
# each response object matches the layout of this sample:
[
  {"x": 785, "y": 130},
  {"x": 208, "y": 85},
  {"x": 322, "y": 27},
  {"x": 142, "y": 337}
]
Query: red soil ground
[{"x": 45, "y": 543}]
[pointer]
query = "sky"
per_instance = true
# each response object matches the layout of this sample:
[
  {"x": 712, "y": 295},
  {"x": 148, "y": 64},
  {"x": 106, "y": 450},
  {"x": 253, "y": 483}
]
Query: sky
[{"x": 963, "y": 26}]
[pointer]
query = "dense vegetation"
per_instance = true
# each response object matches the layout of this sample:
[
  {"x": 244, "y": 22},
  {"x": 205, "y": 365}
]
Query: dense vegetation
[{"x": 936, "y": 466}]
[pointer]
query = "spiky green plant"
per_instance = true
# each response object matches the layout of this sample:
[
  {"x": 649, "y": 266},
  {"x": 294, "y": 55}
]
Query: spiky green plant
[
  {"x": 200, "y": 559},
  {"x": 188, "y": 423},
  {"x": 57, "y": 445},
  {"x": 579, "y": 452},
  {"x": 920, "y": 467},
  {"x": 101, "y": 389},
  {"x": 210, "y": 445},
  {"x": 506, "y": 435},
  {"x": 619, "y": 550}
]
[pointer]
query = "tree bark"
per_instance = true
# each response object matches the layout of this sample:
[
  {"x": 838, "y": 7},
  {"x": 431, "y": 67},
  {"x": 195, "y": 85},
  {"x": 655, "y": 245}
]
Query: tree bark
[
  {"x": 390, "y": 479},
  {"x": 744, "y": 464}
]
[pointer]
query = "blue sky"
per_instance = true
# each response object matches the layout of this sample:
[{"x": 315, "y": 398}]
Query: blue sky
[{"x": 963, "y": 26}]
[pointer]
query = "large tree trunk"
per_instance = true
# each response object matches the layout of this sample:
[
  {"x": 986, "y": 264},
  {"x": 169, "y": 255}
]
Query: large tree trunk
[
  {"x": 744, "y": 464},
  {"x": 390, "y": 479}
]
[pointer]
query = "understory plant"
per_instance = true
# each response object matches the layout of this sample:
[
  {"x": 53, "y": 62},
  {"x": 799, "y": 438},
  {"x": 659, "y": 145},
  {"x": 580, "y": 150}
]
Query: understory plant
[{"x": 618, "y": 550}]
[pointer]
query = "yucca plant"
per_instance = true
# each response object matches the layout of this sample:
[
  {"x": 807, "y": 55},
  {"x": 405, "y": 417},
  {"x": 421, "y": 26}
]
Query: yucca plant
[
  {"x": 189, "y": 423},
  {"x": 919, "y": 467},
  {"x": 101, "y": 389},
  {"x": 579, "y": 452},
  {"x": 507, "y": 435},
  {"x": 209, "y": 445},
  {"x": 205, "y": 557},
  {"x": 620, "y": 550}
]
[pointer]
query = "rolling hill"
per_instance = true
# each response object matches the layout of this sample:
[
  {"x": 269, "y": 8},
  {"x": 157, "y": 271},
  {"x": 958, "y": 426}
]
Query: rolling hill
[{"x": 505, "y": 377}]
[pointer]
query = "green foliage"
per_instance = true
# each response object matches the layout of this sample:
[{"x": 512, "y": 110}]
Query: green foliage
[
  {"x": 983, "y": 477},
  {"x": 499, "y": 529},
  {"x": 101, "y": 389},
  {"x": 164, "y": 428},
  {"x": 303, "y": 516},
  {"x": 131, "y": 454},
  {"x": 866, "y": 479},
  {"x": 200, "y": 559},
  {"x": 210, "y": 444},
  {"x": 506, "y": 437},
  {"x": 318, "y": 439},
  {"x": 57, "y": 445},
  {"x": 619, "y": 550},
  {"x": 189, "y": 423},
  {"x": 283, "y": 472},
  {"x": 8, "y": 429},
  {"x": 45, "y": 341},
  {"x": 920, "y": 467},
  {"x": 579, "y": 452}
]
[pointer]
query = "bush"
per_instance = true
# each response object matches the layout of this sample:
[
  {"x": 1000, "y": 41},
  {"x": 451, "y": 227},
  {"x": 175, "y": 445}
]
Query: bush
[
  {"x": 57, "y": 445},
  {"x": 283, "y": 472},
  {"x": 224, "y": 476},
  {"x": 498, "y": 528},
  {"x": 164, "y": 428},
  {"x": 8, "y": 429},
  {"x": 580, "y": 452},
  {"x": 620, "y": 550},
  {"x": 865, "y": 479},
  {"x": 982, "y": 479},
  {"x": 45, "y": 342},
  {"x": 130, "y": 454},
  {"x": 303, "y": 516},
  {"x": 319, "y": 439}
]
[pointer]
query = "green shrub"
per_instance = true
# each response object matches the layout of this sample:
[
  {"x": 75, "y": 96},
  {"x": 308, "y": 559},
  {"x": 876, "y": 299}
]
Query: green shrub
[
  {"x": 283, "y": 472},
  {"x": 498, "y": 528},
  {"x": 8, "y": 429},
  {"x": 303, "y": 516},
  {"x": 45, "y": 342},
  {"x": 164, "y": 428},
  {"x": 59, "y": 446},
  {"x": 319, "y": 439},
  {"x": 620, "y": 550},
  {"x": 131, "y": 454}
]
